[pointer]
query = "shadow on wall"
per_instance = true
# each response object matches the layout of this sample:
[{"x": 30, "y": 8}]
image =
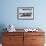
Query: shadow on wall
[{"x": 2, "y": 26}]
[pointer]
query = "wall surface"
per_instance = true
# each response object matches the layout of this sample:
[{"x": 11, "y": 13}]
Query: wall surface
[{"x": 9, "y": 13}]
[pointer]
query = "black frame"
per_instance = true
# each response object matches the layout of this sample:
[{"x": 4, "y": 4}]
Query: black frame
[{"x": 18, "y": 8}]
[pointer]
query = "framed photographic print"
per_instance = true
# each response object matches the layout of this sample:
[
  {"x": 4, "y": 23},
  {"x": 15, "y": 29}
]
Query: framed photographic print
[{"x": 25, "y": 13}]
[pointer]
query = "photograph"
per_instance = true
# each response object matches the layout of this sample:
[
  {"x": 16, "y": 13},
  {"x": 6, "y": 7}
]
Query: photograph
[
  {"x": 25, "y": 13},
  {"x": 22, "y": 22}
]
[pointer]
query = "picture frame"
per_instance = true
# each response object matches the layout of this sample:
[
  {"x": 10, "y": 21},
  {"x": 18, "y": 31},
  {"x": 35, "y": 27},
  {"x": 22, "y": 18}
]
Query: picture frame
[{"x": 25, "y": 13}]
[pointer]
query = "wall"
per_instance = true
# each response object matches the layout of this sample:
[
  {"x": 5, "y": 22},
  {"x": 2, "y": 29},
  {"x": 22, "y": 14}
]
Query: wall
[{"x": 9, "y": 13}]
